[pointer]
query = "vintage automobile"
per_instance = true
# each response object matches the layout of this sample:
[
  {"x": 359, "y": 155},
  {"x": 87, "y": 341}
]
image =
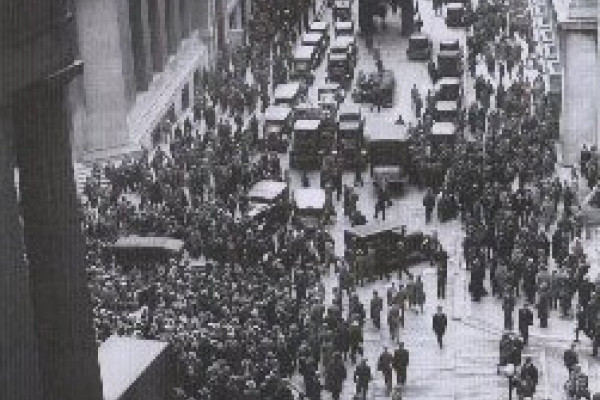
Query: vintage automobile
[
  {"x": 449, "y": 89},
  {"x": 369, "y": 86},
  {"x": 269, "y": 203},
  {"x": 309, "y": 207},
  {"x": 389, "y": 156},
  {"x": 306, "y": 151},
  {"x": 350, "y": 135},
  {"x": 289, "y": 94},
  {"x": 277, "y": 129},
  {"x": 342, "y": 10},
  {"x": 340, "y": 68},
  {"x": 446, "y": 111},
  {"x": 304, "y": 60},
  {"x": 455, "y": 14},
  {"x": 343, "y": 28},
  {"x": 443, "y": 134},
  {"x": 374, "y": 249},
  {"x": 449, "y": 64},
  {"x": 345, "y": 45},
  {"x": 330, "y": 95},
  {"x": 321, "y": 27},
  {"x": 419, "y": 47},
  {"x": 317, "y": 40},
  {"x": 328, "y": 127}
]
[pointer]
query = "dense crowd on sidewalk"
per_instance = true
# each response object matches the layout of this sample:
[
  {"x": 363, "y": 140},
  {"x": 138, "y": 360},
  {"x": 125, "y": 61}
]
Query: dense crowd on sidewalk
[{"x": 254, "y": 314}]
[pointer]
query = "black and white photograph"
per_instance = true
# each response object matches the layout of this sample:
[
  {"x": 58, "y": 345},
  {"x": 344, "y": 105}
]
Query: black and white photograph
[{"x": 299, "y": 200}]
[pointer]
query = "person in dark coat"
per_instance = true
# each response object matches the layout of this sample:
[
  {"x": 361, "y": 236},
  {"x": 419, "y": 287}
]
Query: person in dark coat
[
  {"x": 530, "y": 371},
  {"x": 570, "y": 358},
  {"x": 429, "y": 204},
  {"x": 525, "y": 321},
  {"x": 384, "y": 365},
  {"x": 356, "y": 340},
  {"x": 335, "y": 374},
  {"x": 442, "y": 274},
  {"x": 508, "y": 306},
  {"x": 440, "y": 322},
  {"x": 362, "y": 378},
  {"x": 376, "y": 307},
  {"x": 400, "y": 363}
]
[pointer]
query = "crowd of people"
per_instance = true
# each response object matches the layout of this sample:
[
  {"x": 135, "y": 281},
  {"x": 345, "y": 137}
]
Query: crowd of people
[{"x": 244, "y": 310}]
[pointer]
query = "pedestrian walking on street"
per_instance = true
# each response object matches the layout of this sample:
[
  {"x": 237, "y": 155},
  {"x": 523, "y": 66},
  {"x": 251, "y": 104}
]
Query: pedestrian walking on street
[
  {"x": 440, "y": 322},
  {"x": 442, "y": 275},
  {"x": 570, "y": 358},
  {"x": 525, "y": 321},
  {"x": 420, "y": 293},
  {"x": 362, "y": 378},
  {"x": 335, "y": 374},
  {"x": 375, "y": 307},
  {"x": 393, "y": 320},
  {"x": 429, "y": 204},
  {"x": 384, "y": 365},
  {"x": 400, "y": 363},
  {"x": 508, "y": 306}
]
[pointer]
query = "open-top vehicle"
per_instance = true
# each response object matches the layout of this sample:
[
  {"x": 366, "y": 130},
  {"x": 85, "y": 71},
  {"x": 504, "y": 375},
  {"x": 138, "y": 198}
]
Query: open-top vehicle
[{"x": 277, "y": 129}]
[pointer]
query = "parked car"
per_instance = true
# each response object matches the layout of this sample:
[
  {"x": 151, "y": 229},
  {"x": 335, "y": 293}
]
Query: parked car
[{"x": 419, "y": 47}]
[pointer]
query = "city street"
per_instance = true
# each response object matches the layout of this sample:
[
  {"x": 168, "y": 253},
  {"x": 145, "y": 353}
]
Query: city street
[{"x": 466, "y": 367}]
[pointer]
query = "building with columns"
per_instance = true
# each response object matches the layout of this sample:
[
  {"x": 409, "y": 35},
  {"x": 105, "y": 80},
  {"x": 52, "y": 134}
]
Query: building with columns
[
  {"x": 143, "y": 60},
  {"x": 576, "y": 24}
]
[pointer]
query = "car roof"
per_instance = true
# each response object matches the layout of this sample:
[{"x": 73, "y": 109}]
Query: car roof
[
  {"x": 343, "y": 25},
  {"x": 446, "y": 105},
  {"x": 304, "y": 52},
  {"x": 455, "y": 6},
  {"x": 319, "y": 26},
  {"x": 307, "y": 125},
  {"x": 267, "y": 189},
  {"x": 418, "y": 36},
  {"x": 309, "y": 198},
  {"x": 287, "y": 90},
  {"x": 449, "y": 53},
  {"x": 349, "y": 108},
  {"x": 312, "y": 36},
  {"x": 277, "y": 113},
  {"x": 342, "y": 4},
  {"x": 329, "y": 86},
  {"x": 338, "y": 56},
  {"x": 443, "y": 129},
  {"x": 448, "y": 80},
  {"x": 342, "y": 41}
]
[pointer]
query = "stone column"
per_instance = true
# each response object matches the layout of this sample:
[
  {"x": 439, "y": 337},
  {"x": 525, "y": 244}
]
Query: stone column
[
  {"x": 140, "y": 43},
  {"x": 579, "y": 105},
  {"x": 173, "y": 25},
  {"x": 68, "y": 354},
  {"x": 158, "y": 34},
  {"x": 185, "y": 14},
  {"x": 109, "y": 78},
  {"x": 19, "y": 375}
]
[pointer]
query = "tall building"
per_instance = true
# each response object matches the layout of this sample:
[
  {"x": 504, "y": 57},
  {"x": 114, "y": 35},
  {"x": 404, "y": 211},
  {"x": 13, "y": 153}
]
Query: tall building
[
  {"x": 47, "y": 342},
  {"x": 143, "y": 60}
]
